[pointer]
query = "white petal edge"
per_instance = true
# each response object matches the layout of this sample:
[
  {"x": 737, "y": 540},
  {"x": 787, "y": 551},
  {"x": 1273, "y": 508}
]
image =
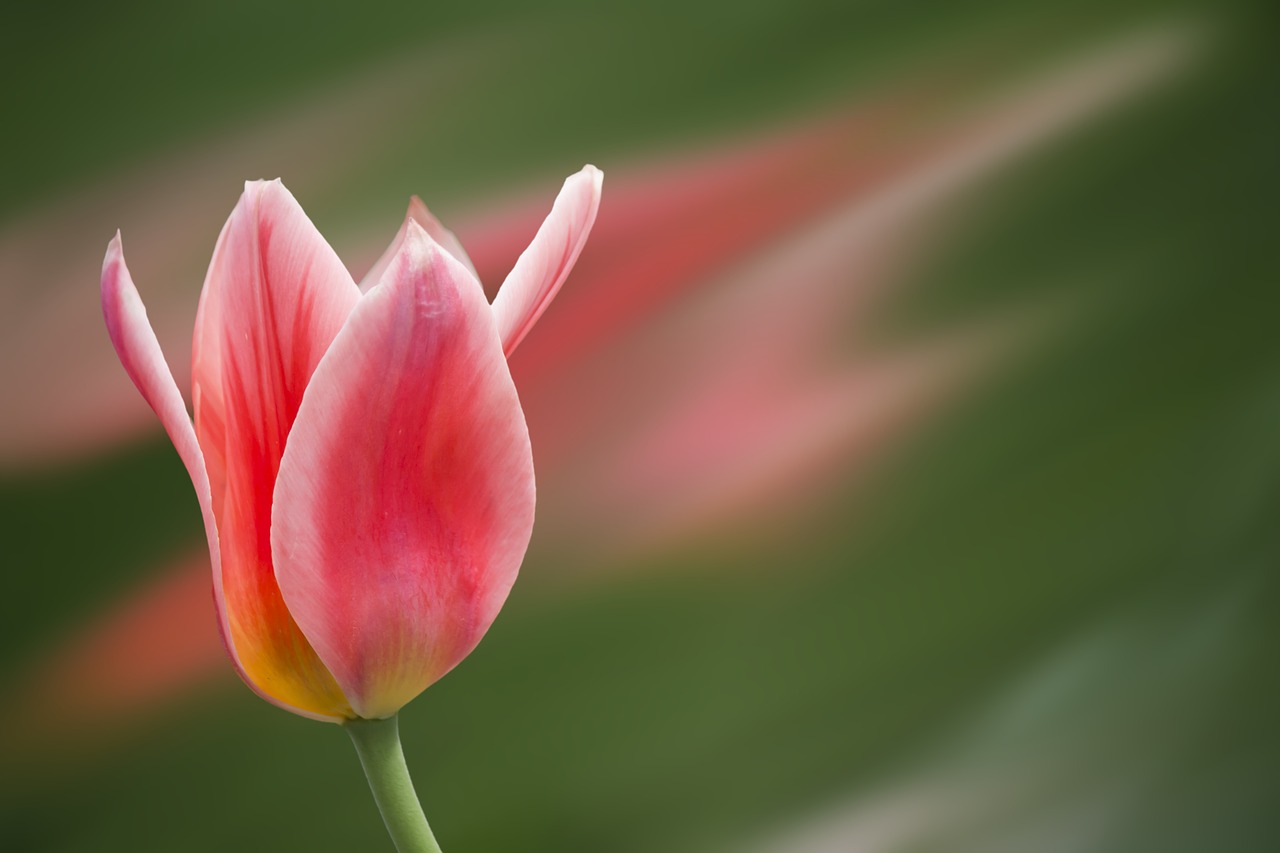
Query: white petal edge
[{"x": 545, "y": 264}]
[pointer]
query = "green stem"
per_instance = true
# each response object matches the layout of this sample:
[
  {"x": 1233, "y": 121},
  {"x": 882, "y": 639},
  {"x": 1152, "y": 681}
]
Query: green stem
[{"x": 378, "y": 745}]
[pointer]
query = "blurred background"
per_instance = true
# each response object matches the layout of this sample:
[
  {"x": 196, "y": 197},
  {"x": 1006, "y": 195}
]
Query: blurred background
[{"x": 906, "y": 436}]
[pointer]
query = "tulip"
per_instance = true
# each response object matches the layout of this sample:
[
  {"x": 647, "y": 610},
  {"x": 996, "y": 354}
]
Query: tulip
[{"x": 359, "y": 453}]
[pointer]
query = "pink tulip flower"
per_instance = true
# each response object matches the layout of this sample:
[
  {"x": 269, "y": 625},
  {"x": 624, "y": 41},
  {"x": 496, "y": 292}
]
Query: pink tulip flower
[{"x": 359, "y": 453}]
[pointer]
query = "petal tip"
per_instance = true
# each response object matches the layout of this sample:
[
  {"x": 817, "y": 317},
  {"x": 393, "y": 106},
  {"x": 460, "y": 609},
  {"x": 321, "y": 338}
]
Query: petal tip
[
  {"x": 261, "y": 186},
  {"x": 115, "y": 275},
  {"x": 115, "y": 250},
  {"x": 422, "y": 249},
  {"x": 542, "y": 268},
  {"x": 592, "y": 174},
  {"x": 416, "y": 235},
  {"x": 424, "y": 244}
]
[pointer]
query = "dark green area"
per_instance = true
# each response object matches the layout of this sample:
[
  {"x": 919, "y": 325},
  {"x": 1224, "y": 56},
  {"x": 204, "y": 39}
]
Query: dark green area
[
  {"x": 91, "y": 88},
  {"x": 79, "y": 536}
]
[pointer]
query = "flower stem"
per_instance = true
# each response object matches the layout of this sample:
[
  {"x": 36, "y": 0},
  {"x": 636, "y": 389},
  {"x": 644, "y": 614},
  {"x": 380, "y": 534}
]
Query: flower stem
[{"x": 378, "y": 745}]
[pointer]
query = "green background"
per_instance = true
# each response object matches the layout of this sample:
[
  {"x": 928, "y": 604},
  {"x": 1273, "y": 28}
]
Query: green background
[{"x": 1044, "y": 621}]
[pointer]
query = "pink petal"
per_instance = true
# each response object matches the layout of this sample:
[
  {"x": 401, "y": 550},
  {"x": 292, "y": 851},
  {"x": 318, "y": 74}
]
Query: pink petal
[
  {"x": 544, "y": 265},
  {"x": 139, "y": 352},
  {"x": 417, "y": 213},
  {"x": 275, "y": 297},
  {"x": 405, "y": 498}
]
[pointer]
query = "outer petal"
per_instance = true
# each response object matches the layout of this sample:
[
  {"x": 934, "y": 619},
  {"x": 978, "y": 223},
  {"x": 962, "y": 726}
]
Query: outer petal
[
  {"x": 275, "y": 297},
  {"x": 544, "y": 265},
  {"x": 417, "y": 213},
  {"x": 140, "y": 353},
  {"x": 405, "y": 498}
]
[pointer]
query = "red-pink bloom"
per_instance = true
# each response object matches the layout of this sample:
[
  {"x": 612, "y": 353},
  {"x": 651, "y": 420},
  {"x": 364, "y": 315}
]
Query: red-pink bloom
[{"x": 359, "y": 452}]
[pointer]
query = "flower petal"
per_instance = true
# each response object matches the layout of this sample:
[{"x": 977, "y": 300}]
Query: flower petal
[
  {"x": 139, "y": 351},
  {"x": 417, "y": 213},
  {"x": 274, "y": 298},
  {"x": 544, "y": 265},
  {"x": 405, "y": 498}
]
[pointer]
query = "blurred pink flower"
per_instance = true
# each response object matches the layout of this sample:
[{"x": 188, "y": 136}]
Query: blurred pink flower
[{"x": 359, "y": 452}]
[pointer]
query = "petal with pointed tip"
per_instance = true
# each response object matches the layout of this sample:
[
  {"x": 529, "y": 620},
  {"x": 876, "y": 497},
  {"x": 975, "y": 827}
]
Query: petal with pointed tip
[
  {"x": 275, "y": 297},
  {"x": 417, "y": 213},
  {"x": 545, "y": 264},
  {"x": 405, "y": 497},
  {"x": 139, "y": 351}
]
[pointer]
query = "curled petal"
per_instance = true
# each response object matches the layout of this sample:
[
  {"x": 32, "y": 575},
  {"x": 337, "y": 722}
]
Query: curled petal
[
  {"x": 405, "y": 498},
  {"x": 417, "y": 213},
  {"x": 139, "y": 351},
  {"x": 275, "y": 297},
  {"x": 545, "y": 264}
]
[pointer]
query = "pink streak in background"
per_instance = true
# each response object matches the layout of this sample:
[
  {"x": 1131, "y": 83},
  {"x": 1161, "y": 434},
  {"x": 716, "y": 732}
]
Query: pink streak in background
[{"x": 146, "y": 650}]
